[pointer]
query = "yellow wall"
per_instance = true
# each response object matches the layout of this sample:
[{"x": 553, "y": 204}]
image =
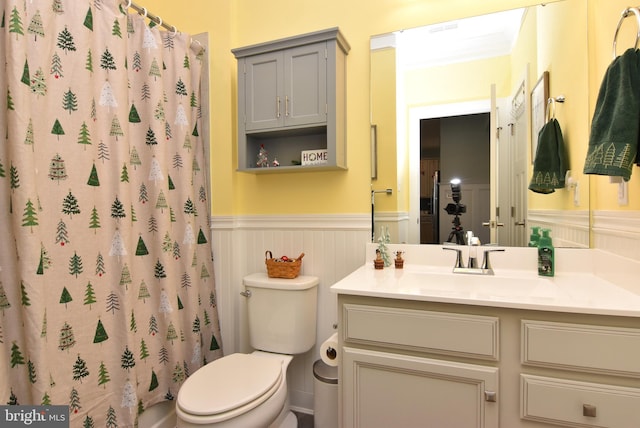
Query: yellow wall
[
  {"x": 455, "y": 84},
  {"x": 561, "y": 50},
  {"x": 383, "y": 115},
  {"x": 603, "y": 19},
  {"x": 235, "y": 23}
]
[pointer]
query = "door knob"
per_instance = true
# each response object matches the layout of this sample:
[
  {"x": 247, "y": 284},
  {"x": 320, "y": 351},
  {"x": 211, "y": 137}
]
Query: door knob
[{"x": 492, "y": 224}]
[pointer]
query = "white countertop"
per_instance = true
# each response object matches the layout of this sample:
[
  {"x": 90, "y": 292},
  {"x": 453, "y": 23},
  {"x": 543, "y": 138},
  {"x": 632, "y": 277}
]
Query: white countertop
[{"x": 567, "y": 291}]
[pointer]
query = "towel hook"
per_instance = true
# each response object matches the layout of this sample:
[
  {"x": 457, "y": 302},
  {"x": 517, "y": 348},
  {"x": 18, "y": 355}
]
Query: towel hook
[
  {"x": 551, "y": 112},
  {"x": 625, "y": 13}
]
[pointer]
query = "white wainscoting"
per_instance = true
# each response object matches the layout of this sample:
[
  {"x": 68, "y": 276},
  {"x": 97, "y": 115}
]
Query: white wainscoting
[
  {"x": 568, "y": 228},
  {"x": 617, "y": 232},
  {"x": 334, "y": 246}
]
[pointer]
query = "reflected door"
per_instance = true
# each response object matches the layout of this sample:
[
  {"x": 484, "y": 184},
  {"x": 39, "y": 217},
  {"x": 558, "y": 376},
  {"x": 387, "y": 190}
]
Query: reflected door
[
  {"x": 519, "y": 161},
  {"x": 499, "y": 182}
]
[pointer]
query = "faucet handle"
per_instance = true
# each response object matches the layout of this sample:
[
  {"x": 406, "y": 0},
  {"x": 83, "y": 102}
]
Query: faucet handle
[
  {"x": 459, "y": 263},
  {"x": 485, "y": 260}
]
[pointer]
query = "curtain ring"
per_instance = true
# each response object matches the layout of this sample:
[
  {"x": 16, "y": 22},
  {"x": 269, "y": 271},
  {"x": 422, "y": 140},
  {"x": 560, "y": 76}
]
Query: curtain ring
[
  {"x": 202, "y": 49},
  {"x": 128, "y": 5},
  {"x": 175, "y": 31},
  {"x": 144, "y": 9},
  {"x": 159, "y": 23}
]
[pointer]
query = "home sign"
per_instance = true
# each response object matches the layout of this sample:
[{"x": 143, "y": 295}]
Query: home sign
[{"x": 314, "y": 157}]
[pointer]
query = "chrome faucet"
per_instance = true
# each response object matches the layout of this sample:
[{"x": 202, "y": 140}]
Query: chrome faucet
[
  {"x": 485, "y": 269},
  {"x": 472, "y": 243}
]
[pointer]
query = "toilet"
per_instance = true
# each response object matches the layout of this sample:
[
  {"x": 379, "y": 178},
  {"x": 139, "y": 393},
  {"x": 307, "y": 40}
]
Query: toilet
[{"x": 250, "y": 390}]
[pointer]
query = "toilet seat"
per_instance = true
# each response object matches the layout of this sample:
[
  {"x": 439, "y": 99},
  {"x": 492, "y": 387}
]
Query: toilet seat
[{"x": 230, "y": 386}]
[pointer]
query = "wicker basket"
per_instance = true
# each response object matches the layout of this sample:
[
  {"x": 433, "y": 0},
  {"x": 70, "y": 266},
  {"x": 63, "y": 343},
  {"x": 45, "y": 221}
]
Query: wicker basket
[{"x": 282, "y": 269}]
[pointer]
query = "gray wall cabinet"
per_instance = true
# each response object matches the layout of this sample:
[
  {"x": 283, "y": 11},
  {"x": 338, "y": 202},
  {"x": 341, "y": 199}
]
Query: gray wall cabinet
[{"x": 291, "y": 98}]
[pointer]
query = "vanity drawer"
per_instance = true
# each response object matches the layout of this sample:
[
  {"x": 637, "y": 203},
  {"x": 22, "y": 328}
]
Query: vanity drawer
[
  {"x": 581, "y": 347},
  {"x": 578, "y": 404},
  {"x": 472, "y": 336}
]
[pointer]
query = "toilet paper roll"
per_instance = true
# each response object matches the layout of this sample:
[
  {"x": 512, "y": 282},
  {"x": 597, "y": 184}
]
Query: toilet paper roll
[{"x": 329, "y": 351}]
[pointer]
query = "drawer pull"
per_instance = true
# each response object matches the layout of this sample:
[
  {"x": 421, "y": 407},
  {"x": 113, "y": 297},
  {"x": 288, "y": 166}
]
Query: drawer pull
[
  {"x": 589, "y": 410},
  {"x": 491, "y": 396}
]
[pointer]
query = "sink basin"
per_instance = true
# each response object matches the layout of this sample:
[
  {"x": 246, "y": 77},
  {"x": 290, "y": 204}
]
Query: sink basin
[{"x": 473, "y": 286}]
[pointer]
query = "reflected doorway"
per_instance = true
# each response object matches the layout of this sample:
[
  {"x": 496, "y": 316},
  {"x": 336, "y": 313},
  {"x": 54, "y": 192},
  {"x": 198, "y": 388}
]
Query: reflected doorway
[{"x": 454, "y": 147}]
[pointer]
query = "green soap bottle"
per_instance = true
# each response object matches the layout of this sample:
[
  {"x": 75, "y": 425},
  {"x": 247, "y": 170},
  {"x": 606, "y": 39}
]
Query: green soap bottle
[
  {"x": 545, "y": 254},
  {"x": 534, "y": 237}
]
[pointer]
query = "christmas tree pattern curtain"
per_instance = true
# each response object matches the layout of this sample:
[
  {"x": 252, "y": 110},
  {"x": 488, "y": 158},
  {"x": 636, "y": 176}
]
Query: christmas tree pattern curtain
[{"x": 107, "y": 297}]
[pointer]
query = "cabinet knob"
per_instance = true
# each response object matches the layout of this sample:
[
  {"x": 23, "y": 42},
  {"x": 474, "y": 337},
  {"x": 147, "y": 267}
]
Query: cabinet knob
[
  {"x": 589, "y": 410},
  {"x": 490, "y": 396}
]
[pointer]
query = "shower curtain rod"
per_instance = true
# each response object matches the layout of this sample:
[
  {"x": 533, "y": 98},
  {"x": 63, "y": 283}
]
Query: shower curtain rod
[{"x": 155, "y": 18}]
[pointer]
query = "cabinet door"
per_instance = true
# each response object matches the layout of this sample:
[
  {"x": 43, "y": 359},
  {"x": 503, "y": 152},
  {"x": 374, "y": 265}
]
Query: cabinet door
[
  {"x": 264, "y": 101},
  {"x": 305, "y": 93},
  {"x": 382, "y": 389}
]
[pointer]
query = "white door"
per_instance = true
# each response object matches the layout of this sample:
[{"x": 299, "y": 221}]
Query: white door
[
  {"x": 499, "y": 181},
  {"x": 520, "y": 147}
]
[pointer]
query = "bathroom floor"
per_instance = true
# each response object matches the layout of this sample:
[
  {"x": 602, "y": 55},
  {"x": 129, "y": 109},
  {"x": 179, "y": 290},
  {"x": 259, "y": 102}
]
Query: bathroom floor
[{"x": 304, "y": 420}]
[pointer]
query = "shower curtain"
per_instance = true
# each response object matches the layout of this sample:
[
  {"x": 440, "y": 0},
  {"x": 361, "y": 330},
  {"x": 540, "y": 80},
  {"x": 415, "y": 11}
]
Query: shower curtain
[{"x": 107, "y": 297}]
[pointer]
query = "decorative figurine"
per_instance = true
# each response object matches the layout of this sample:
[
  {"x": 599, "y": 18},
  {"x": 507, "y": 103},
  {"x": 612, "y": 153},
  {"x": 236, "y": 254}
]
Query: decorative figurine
[
  {"x": 378, "y": 263},
  {"x": 399, "y": 261},
  {"x": 263, "y": 161},
  {"x": 383, "y": 240},
  {"x": 275, "y": 162}
]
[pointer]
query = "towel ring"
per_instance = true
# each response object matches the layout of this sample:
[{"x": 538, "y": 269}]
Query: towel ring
[
  {"x": 551, "y": 107},
  {"x": 625, "y": 13}
]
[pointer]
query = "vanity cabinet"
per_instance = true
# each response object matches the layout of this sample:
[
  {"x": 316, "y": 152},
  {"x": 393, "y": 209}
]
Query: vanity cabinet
[
  {"x": 398, "y": 367},
  {"x": 611, "y": 353},
  {"x": 291, "y": 98},
  {"x": 420, "y": 363}
]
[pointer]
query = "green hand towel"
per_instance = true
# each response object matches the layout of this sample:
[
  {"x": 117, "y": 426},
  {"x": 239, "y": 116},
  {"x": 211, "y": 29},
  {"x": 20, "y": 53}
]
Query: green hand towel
[
  {"x": 615, "y": 127},
  {"x": 549, "y": 168}
]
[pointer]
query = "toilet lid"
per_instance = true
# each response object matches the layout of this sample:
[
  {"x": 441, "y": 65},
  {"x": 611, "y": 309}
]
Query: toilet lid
[{"x": 228, "y": 383}]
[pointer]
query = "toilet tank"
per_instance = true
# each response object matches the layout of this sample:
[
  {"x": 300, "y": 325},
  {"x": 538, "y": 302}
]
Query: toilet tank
[{"x": 282, "y": 313}]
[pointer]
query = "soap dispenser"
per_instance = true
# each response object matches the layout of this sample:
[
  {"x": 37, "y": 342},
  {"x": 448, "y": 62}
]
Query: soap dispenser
[
  {"x": 534, "y": 237},
  {"x": 545, "y": 254}
]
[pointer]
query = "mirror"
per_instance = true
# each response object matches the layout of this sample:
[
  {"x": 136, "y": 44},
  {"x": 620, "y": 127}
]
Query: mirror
[{"x": 466, "y": 85}]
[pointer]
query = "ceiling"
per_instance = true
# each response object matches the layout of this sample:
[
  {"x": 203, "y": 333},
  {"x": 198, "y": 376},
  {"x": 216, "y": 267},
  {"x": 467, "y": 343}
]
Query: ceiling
[{"x": 461, "y": 40}]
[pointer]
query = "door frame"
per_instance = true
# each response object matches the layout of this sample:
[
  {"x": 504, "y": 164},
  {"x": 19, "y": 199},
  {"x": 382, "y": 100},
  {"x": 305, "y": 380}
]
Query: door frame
[{"x": 415, "y": 115}]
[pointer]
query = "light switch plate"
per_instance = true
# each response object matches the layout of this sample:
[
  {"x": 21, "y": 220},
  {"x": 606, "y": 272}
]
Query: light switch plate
[{"x": 623, "y": 193}]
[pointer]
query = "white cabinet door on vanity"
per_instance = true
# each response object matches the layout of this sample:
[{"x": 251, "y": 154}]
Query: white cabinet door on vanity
[
  {"x": 398, "y": 370},
  {"x": 383, "y": 389}
]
